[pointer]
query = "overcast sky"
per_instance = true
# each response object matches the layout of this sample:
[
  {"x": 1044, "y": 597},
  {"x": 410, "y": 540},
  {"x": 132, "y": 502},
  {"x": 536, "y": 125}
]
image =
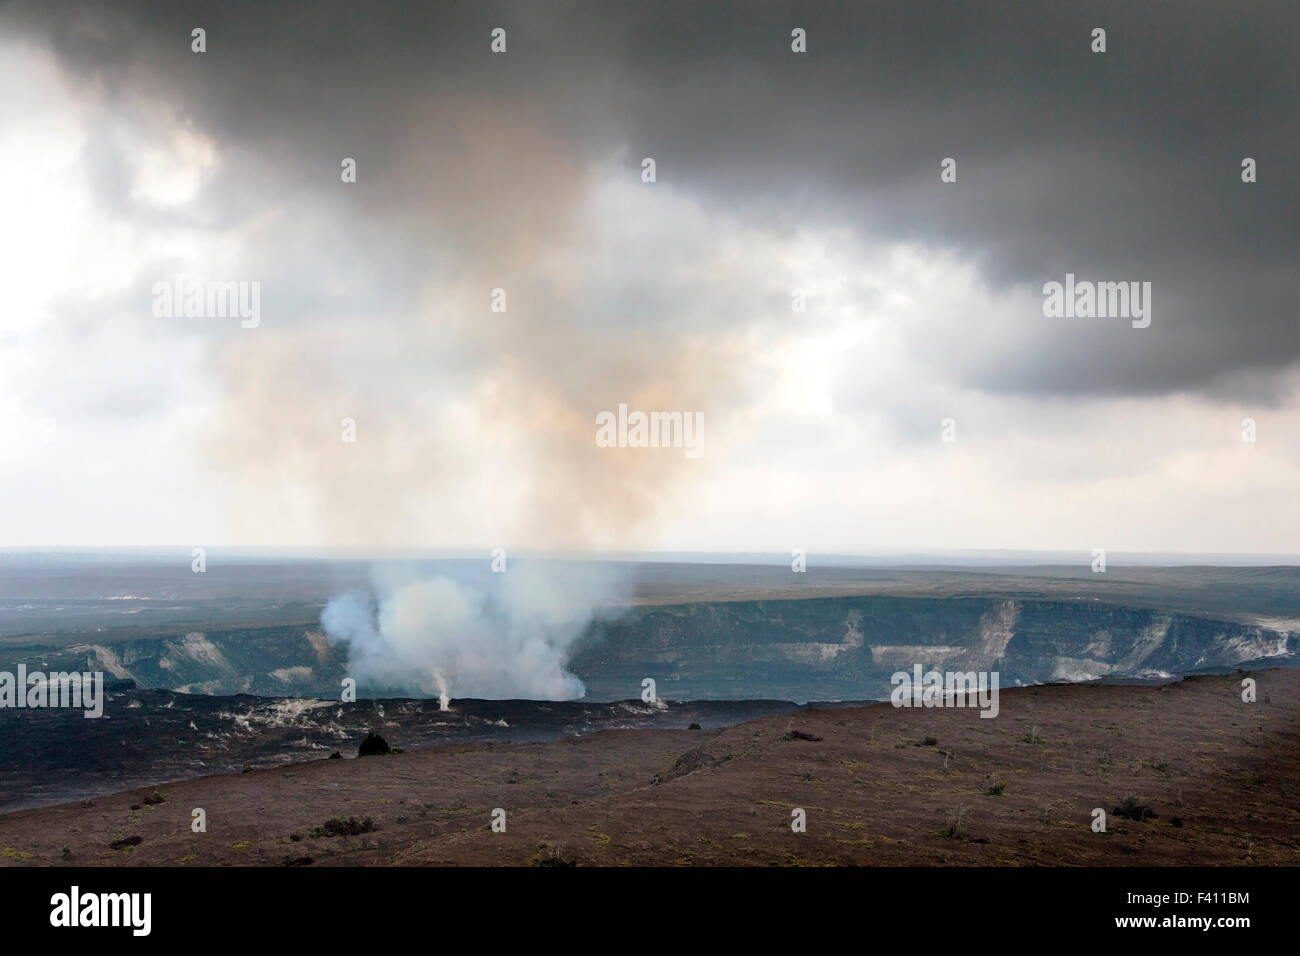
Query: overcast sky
[{"x": 126, "y": 158}]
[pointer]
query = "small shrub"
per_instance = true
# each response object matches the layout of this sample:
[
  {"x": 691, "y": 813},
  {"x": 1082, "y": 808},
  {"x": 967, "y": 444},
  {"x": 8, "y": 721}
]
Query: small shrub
[
  {"x": 548, "y": 855},
  {"x": 344, "y": 826},
  {"x": 373, "y": 746},
  {"x": 1130, "y": 809}
]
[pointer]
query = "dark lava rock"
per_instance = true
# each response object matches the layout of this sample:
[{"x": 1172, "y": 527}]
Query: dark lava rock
[
  {"x": 125, "y": 842},
  {"x": 801, "y": 735},
  {"x": 698, "y": 758},
  {"x": 373, "y": 745}
]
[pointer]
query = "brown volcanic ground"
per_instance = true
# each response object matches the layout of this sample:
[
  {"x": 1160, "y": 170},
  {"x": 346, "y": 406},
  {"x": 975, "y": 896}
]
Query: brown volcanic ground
[{"x": 1222, "y": 777}]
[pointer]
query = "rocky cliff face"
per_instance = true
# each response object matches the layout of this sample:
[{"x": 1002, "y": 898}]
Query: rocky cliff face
[
  {"x": 843, "y": 648},
  {"x": 847, "y": 648},
  {"x": 283, "y": 661}
]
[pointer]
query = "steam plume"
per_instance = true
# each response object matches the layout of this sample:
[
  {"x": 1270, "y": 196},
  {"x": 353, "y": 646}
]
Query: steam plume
[{"x": 436, "y": 636}]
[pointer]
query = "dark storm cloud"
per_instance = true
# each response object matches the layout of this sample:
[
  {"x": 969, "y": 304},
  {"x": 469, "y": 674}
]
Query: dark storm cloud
[{"x": 1122, "y": 166}]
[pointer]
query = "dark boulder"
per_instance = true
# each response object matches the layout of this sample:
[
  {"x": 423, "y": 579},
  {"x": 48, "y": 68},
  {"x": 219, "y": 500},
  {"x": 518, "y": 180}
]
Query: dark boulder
[{"x": 373, "y": 745}]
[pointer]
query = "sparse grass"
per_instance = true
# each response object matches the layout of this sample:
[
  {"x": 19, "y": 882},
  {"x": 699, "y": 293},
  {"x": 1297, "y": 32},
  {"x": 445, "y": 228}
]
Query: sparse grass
[
  {"x": 956, "y": 822},
  {"x": 552, "y": 855}
]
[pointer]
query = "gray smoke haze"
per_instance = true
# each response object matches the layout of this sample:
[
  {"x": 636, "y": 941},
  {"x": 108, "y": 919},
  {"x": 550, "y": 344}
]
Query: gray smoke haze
[
  {"x": 1077, "y": 162},
  {"x": 776, "y": 171},
  {"x": 442, "y": 637}
]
